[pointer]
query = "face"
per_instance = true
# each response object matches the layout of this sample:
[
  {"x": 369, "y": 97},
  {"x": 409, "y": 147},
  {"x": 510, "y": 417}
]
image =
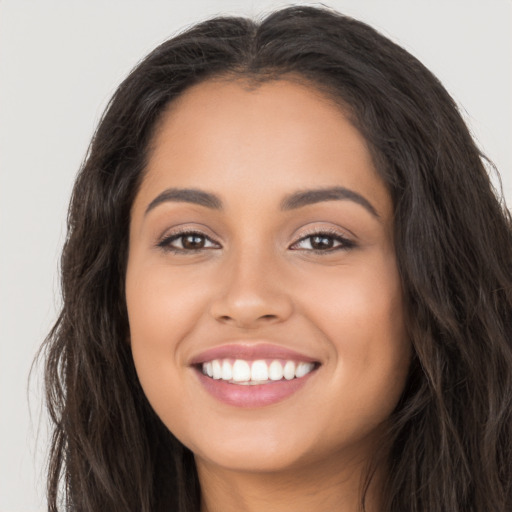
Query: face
[{"x": 264, "y": 301}]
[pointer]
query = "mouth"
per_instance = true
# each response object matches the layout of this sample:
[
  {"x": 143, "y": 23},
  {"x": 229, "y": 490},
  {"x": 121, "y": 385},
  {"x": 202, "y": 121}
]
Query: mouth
[
  {"x": 257, "y": 372},
  {"x": 253, "y": 376}
]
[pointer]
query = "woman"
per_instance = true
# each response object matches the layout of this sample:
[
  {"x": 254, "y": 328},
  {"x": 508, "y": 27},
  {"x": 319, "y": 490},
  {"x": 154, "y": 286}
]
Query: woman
[{"x": 287, "y": 285}]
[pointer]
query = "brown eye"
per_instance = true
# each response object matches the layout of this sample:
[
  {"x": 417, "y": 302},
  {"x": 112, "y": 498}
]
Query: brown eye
[
  {"x": 193, "y": 241},
  {"x": 187, "y": 242},
  {"x": 320, "y": 243},
  {"x": 323, "y": 242}
]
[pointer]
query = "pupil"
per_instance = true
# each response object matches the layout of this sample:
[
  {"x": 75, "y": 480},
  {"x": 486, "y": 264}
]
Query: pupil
[
  {"x": 193, "y": 242},
  {"x": 322, "y": 242}
]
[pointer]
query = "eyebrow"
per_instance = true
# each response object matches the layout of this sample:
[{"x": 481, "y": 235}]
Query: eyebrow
[
  {"x": 308, "y": 197},
  {"x": 290, "y": 202},
  {"x": 186, "y": 195}
]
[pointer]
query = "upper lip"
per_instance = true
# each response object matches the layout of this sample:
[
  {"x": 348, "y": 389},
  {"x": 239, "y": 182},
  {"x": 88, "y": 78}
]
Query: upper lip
[{"x": 250, "y": 352}]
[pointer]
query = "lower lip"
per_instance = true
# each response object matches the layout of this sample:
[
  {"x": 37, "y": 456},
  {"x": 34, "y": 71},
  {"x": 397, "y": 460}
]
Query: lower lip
[{"x": 252, "y": 396}]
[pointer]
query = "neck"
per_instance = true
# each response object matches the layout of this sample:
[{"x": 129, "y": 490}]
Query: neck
[{"x": 330, "y": 486}]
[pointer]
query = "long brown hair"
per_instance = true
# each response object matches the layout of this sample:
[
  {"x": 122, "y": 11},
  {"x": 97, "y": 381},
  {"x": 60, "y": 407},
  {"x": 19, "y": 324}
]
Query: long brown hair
[{"x": 451, "y": 434}]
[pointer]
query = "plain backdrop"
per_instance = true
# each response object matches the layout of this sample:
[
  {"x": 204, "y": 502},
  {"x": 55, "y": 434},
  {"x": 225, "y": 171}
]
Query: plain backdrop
[{"x": 60, "y": 61}]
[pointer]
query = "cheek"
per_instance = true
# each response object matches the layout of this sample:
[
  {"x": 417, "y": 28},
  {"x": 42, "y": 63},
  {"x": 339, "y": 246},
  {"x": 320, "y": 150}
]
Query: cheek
[
  {"x": 356, "y": 302},
  {"x": 162, "y": 309},
  {"x": 162, "y": 305},
  {"x": 360, "y": 313}
]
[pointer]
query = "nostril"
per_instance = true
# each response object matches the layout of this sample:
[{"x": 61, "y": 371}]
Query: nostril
[{"x": 227, "y": 318}]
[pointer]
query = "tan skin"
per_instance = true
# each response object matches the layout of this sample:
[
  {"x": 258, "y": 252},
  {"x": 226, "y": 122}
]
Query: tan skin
[{"x": 257, "y": 274}]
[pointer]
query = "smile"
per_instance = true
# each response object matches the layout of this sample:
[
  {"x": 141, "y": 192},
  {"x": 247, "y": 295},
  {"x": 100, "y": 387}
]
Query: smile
[{"x": 251, "y": 373}]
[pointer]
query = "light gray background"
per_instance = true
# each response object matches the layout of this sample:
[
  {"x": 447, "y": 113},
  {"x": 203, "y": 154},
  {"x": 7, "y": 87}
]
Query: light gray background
[{"x": 59, "y": 63}]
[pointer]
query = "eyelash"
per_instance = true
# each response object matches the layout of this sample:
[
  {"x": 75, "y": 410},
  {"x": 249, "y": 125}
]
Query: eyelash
[{"x": 344, "y": 243}]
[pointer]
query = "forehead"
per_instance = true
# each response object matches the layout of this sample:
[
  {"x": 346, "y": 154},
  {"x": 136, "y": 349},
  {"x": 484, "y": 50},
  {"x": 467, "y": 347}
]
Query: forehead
[{"x": 231, "y": 137}]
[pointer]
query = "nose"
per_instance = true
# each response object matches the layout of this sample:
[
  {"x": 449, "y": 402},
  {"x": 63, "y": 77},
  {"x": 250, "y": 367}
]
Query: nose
[{"x": 251, "y": 294}]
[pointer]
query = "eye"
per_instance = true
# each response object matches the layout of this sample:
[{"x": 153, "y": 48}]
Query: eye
[
  {"x": 187, "y": 241},
  {"x": 323, "y": 242}
]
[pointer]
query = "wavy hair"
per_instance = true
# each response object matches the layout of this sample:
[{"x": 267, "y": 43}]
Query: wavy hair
[{"x": 450, "y": 440}]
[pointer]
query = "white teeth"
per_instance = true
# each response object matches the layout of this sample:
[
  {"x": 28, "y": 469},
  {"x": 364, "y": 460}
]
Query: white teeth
[
  {"x": 241, "y": 371},
  {"x": 227, "y": 372},
  {"x": 303, "y": 369},
  {"x": 259, "y": 370},
  {"x": 255, "y": 372},
  {"x": 208, "y": 369},
  {"x": 289, "y": 370},
  {"x": 275, "y": 370},
  {"x": 217, "y": 369}
]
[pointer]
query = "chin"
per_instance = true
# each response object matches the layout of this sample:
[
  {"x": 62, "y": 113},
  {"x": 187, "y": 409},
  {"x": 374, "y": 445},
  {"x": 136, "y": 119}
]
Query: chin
[{"x": 253, "y": 452}]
